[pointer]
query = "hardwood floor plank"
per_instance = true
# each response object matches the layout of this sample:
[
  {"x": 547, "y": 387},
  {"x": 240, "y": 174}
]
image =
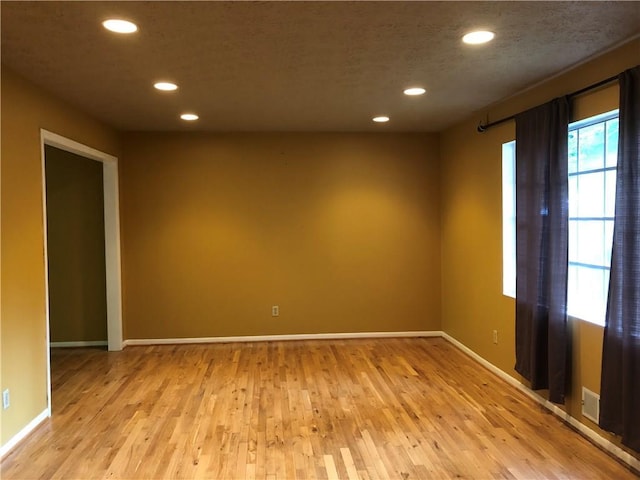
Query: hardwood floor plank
[{"x": 351, "y": 409}]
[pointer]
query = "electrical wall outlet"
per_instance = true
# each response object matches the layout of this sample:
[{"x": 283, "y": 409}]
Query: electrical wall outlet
[
  {"x": 6, "y": 399},
  {"x": 495, "y": 336},
  {"x": 275, "y": 311}
]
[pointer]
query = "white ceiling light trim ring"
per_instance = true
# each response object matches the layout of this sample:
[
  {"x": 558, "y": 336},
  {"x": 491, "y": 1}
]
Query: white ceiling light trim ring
[
  {"x": 118, "y": 25},
  {"x": 478, "y": 37},
  {"x": 165, "y": 86}
]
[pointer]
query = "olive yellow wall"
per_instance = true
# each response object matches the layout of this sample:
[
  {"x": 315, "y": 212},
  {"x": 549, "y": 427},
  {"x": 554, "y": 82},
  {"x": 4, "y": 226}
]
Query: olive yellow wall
[
  {"x": 342, "y": 231},
  {"x": 472, "y": 300},
  {"x": 75, "y": 248},
  {"x": 25, "y": 110}
]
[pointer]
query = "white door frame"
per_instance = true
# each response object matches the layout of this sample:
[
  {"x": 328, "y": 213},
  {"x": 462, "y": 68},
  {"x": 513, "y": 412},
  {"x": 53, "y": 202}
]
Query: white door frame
[{"x": 111, "y": 237}]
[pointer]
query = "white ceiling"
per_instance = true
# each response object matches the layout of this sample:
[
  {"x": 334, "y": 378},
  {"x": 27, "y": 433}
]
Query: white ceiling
[{"x": 301, "y": 66}]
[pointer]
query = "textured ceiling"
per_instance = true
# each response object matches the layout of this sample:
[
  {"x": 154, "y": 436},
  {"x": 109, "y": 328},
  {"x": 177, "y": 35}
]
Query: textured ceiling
[{"x": 301, "y": 66}]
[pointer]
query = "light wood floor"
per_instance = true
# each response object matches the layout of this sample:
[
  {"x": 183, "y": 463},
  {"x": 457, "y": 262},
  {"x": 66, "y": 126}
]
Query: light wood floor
[{"x": 353, "y": 409}]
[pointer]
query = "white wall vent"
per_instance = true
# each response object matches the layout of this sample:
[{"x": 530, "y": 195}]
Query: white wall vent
[{"x": 590, "y": 405}]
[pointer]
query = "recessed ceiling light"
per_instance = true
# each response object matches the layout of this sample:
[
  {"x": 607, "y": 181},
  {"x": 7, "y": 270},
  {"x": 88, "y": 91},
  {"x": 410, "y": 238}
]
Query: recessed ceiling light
[
  {"x": 119, "y": 26},
  {"x": 381, "y": 119},
  {"x": 415, "y": 91},
  {"x": 165, "y": 86},
  {"x": 478, "y": 37},
  {"x": 190, "y": 117}
]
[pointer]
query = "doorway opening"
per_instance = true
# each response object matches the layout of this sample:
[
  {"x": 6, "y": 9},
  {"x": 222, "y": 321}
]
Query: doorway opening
[{"x": 112, "y": 273}]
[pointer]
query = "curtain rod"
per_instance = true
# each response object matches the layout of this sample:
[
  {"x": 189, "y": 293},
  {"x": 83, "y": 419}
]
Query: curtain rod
[{"x": 483, "y": 128}]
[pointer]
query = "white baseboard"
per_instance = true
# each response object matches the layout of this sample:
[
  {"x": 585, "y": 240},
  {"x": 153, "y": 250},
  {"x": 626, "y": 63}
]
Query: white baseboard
[
  {"x": 18, "y": 437},
  {"x": 279, "y": 338},
  {"x": 592, "y": 435},
  {"x": 93, "y": 343}
]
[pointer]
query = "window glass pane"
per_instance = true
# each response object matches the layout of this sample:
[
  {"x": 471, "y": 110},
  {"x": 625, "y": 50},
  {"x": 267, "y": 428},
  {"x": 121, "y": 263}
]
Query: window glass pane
[
  {"x": 610, "y": 194},
  {"x": 573, "y": 298},
  {"x": 593, "y": 294},
  {"x": 591, "y": 147},
  {"x": 605, "y": 294},
  {"x": 590, "y": 194},
  {"x": 588, "y": 295},
  {"x": 509, "y": 272},
  {"x": 573, "y": 151},
  {"x": 612, "y": 142},
  {"x": 590, "y": 243},
  {"x": 608, "y": 241},
  {"x": 573, "y": 195},
  {"x": 573, "y": 241}
]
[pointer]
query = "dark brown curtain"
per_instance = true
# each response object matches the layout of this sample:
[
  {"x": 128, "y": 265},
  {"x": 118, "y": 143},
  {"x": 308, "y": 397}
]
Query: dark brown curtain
[
  {"x": 542, "y": 224},
  {"x": 620, "y": 382}
]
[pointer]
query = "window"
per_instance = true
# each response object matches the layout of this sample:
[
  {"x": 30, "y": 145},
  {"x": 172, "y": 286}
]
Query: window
[
  {"x": 593, "y": 152},
  {"x": 509, "y": 219}
]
